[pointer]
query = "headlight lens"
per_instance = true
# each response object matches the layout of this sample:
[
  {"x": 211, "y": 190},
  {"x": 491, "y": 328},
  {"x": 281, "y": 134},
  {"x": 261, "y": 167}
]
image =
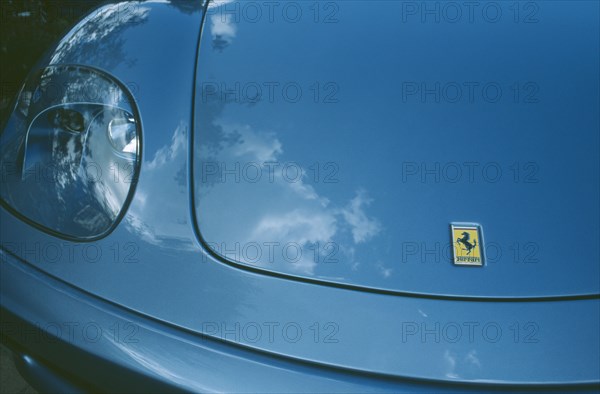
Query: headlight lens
[{"x": 70, "y": 151}]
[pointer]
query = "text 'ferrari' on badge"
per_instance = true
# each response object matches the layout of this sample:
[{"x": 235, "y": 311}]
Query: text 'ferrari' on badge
[{"x": 467, "y": 244}]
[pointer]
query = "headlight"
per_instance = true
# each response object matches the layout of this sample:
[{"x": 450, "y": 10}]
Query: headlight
[{"x": 70, "y": 152}]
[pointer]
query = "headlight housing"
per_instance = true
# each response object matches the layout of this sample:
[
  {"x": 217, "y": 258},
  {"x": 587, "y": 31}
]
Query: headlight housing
[{"x": 70, "y": 152}]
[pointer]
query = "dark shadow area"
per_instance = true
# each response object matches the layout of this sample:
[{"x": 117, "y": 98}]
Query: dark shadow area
[
  {"x": 27, "y": 29},
  {"x": 10, "y": 379}
]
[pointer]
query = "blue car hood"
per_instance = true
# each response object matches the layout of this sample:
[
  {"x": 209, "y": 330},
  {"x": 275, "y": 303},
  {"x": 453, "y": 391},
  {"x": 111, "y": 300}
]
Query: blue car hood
[{"x": 340, "y": 146}]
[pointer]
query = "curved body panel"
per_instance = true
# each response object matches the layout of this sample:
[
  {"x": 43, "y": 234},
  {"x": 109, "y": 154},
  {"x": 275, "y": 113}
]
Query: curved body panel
[{"x": 306, "y": 331}]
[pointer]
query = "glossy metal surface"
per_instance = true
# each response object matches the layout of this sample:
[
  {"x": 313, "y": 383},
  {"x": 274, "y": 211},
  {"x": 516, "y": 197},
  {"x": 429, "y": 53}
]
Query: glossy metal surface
[
  {"x": 340, "y": 145},
  {"x": 154, "y": 265},
  {"x": 366, "y": 341},
  {"x": 158, "y": 358}
]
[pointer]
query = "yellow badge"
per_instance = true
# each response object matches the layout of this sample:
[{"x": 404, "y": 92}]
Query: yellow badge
[{"x": 467, "y": 244}]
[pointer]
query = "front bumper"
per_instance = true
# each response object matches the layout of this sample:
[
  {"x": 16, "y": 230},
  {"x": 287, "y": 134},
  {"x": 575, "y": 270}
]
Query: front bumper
[{"x": 69, "y": 339}]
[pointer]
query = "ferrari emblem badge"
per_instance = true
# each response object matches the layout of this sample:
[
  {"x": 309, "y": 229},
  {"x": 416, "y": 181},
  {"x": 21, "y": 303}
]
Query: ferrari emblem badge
[{"x": 467, "y": 243}]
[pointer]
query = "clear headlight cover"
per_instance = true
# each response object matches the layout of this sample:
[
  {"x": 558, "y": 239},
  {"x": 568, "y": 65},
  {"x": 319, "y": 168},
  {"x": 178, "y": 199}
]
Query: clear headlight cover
[{"x": 70, "y": 152}]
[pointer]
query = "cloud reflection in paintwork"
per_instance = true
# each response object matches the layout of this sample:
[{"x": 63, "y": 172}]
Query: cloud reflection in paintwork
[
  {"x": 99, "y": 34},
  {"x": 273, "y": 209},
  {"x": 159, "y": 213}
]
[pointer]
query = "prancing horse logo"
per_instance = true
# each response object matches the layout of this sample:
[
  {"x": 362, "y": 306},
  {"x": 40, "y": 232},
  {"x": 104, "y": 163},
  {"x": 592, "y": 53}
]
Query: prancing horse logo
[{"x": 468, "y": 246}]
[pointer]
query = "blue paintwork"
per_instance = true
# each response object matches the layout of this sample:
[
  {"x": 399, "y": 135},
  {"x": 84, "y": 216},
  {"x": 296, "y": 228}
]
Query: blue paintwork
[
  {"x": 377, "y": 213},
  {"x": 152, "y": 270},
  {"x": 155, "y": 355}
]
